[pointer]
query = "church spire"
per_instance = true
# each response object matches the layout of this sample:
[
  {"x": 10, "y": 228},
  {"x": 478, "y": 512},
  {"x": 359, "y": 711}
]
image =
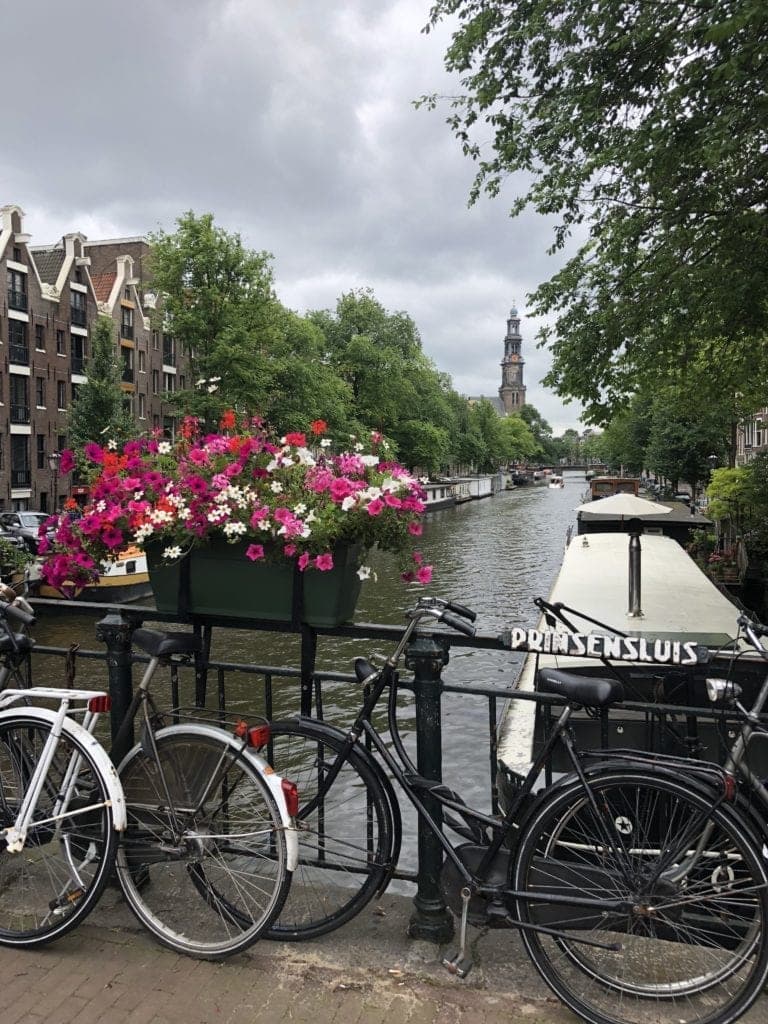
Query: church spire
[{"x": 512, "y": 390}]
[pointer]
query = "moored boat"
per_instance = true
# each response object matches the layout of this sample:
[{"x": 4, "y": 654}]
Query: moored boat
[
  {"x": 120, "y": 582},
  {"x": 440, "y": 494},
  {"x": 556, "y": 481}
]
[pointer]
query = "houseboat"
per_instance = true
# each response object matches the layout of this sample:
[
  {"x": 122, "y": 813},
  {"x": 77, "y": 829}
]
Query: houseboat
[
  {"x": 440, "y": 494},
  {"x": 676, "y": 603},
  {"x": 120, "y": 582},
  {"x": 604, "y": 486}
]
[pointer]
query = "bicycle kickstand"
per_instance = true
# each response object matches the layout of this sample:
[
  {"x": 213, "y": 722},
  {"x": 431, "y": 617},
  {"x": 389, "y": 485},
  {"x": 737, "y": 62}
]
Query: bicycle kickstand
[{"x": 460, "y": 964}]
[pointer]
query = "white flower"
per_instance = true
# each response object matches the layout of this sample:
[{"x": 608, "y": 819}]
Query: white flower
[
  {"x": 143, "y": 532},
  {"x": 164, "y": 448},
  {"x": 138, "y": 495},
  {"x": 304, "y": 457},
  {"x": 276, "y": 487},
  {"x": 263, "y": 524},
  {"x": 366, "y": 573},
  {"x": 234, "y": 529},
  {"x": 214, "y": 380},
  {"x": 348, "y": 503},
  {"x": 370, "y": 494},
  {"x": 305, "y": 531},
  {"x": 326, "y": 442},
  {"x": 311, "y": 517},
  {"x": 199, "y": 383},
  {"x": 173, "y": 552},
  {"x": 300, "y": 509},
  {"x": 423, "y": 479},
  {"x": 101, "y": 506},
  {"x": 112, "y": 445},
  {"x": 359, "y": 447},
  {"x": 369, "y": 460},
  {"x": 212, "y": 388}
]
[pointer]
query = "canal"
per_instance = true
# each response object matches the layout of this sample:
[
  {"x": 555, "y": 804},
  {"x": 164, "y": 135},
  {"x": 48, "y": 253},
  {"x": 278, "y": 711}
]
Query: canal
[{"x": 494, "y": 555}]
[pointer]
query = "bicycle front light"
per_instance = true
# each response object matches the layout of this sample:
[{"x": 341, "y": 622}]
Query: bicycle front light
[{"x": 722, "y": 689}]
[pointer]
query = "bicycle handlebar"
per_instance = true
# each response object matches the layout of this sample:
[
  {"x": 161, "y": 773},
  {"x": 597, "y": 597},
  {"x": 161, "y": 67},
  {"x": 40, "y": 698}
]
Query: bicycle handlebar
[
  {"x": 455, "y": 622},
  {"x": 12, "y": 610}
]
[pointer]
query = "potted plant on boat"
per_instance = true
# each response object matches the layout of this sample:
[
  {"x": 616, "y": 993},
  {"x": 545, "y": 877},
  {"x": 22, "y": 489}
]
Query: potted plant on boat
[{"x": 242, "y": 522}]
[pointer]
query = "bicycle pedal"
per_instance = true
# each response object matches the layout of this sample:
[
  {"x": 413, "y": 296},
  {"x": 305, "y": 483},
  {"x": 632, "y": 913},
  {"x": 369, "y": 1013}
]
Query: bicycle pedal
[{"x": 458, "y": 965}]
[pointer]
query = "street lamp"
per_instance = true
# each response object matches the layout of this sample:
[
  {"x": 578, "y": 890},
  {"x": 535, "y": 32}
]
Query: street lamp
[{"x": 53, "y": 465}]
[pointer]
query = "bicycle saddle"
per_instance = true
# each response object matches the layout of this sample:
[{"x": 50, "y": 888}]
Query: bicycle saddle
[
  {"x": 160, "y": 645},
  {"x": 592, "y": 693}
]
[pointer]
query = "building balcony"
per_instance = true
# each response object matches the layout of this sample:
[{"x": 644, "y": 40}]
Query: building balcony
[
  {"x": 17, "y": 300},
  {"x": 20, "y": 413},
  {"x": 169, "y": 355},
  {"x": 77, "y": 317},
  {"x": 21, "y": 478},
  {"x": 78, "y": 364},
  {"x": 18, "y": 353}
]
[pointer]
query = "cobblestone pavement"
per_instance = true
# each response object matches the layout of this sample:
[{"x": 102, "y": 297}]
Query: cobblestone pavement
[{"x": 366, "y": 973}]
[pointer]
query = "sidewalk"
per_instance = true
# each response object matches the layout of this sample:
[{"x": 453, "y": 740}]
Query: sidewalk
[{"x": 366, "y": 973}]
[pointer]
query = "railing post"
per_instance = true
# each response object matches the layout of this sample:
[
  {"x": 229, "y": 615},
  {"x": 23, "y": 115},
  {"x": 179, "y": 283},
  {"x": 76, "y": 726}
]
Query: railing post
[
  {"x": 431, "y": 918},
  {"x": 115, "y": 630}
]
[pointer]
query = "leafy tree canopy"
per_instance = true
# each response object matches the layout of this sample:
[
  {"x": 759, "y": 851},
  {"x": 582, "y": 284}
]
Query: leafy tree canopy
[
  {"x": 98, "y": 412},
  {"x": 643, "y": 127}
]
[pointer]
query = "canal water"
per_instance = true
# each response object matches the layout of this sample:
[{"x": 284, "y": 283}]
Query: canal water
[{"x": 494, "y": 555}]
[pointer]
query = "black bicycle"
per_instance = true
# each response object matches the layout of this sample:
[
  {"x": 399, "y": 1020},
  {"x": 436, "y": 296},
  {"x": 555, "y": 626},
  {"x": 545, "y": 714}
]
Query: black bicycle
[{"x": 639, "y": 893}]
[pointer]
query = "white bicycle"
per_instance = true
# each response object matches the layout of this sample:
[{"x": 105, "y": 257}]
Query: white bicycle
[{"x": 199, "y": 830}]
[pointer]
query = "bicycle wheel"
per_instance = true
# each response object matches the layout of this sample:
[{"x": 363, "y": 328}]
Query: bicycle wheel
[
  {"x": 203, "y": 863},
  {"x": 56, "y": 879},
  {"x": 345, "y": 840},
  {"x": 679, "y": 891}
]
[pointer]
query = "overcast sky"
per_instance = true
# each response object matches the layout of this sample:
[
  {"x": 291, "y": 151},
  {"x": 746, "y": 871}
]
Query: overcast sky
[{"x": 292, "y": 122}]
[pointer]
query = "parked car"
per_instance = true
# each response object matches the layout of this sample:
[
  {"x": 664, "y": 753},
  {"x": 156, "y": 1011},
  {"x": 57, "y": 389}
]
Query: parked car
[
  {"x": 25, "y": 526},
  {"x": 11, "y": 538}
]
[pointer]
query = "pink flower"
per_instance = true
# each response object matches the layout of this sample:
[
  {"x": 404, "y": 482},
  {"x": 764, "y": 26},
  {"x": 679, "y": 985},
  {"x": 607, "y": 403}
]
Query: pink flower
[
  {"x": 289, "y": 550},
  {"x": 424, "y": 575},
  {"x": 324, "y": 562},
  {"x": 415, "y": 528},
  {"x": 93, "y": 452},
  {"x": 67, "y": 461},
  {"x": 303, "y": 561},
  {"x": 375, "y": 507},
  {"x": 254, "y": 552}
]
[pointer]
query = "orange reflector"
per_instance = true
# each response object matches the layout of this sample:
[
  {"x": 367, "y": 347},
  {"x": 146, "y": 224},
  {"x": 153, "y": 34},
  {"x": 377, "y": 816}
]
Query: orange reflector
[
  {"x": 241, "y": 729},
  {"x": 291, "y": 794},
  {"x": 100, "y": 704},
  {"x": 258, "y": 736}
]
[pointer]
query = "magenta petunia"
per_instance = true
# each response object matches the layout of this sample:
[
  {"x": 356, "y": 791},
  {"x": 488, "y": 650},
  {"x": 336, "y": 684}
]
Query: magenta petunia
[
  {"x": 324, "y": 562},
  {"x": 254, "y": 552}
]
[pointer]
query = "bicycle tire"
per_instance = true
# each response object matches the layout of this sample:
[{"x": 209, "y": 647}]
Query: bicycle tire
[
  {"x": 55, "y": 881},
  {"x": 345, "y": 843},
  {"x": 207, "y": 875},
  {"x": 694, "y": 949}
]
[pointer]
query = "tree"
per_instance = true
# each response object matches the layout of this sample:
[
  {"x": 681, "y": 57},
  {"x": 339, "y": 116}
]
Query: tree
[
  {"x": 218, "y": 303},
  {"x": 99, "y": 412},
  {"x": 541, "y": 431},
  {"x": 642, "y": 126}
]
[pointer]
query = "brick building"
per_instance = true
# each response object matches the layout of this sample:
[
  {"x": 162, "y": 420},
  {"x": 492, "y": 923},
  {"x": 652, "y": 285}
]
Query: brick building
[{"x": 54, "y": 294}]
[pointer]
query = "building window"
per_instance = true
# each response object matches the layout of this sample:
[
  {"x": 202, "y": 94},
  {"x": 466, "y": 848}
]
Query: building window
[
  {"x": 21, "y": 475},
  {"x": 40, "y": 337},
  {"x": 182, "y": 382},
  {"x": 17, "y": 290},
  {"x": 61, "y": 348},
  {"x": 142, "y": 407},
  {"x": 156, "y": 340},
  {"x": 40, "y": 451},
  {"x": 61, "y": 394},
  {"x": 169, "y": 382},
  {"x": 155, "y": 381},
  {"x": 75, "y": 391},
  {"x": 40, "y": 392},
  {"x": 78, "y": 275},
  {"x": 19, "y": 399},
  {"x": 18, "y": 349},
  {"x": 169, "y": 350},
  {"x": 126, "y": 322},
  {"x": 17, "y": 254},
  {"x": 77, "y": 309},
  {"x": 78, "y": 349},
  {"x": 142, "y": 362}
]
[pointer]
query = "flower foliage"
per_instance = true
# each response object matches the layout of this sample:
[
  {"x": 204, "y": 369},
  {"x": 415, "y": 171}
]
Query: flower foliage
[{"x": 289, "y": 498}]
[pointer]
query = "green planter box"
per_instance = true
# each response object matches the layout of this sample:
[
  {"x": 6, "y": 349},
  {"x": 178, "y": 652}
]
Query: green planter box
[{"x": 221, "y": 581}]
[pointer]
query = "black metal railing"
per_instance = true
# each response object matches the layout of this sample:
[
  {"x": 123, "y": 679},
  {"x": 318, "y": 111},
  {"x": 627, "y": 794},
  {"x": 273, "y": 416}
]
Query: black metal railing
[
  {"x": 19, "y": 413},
  {"x": 17, "y": 299},
  {"x": 18, "y": 353},
  {"x": 302, "y": 688},
  {"x": 126, "y": 331},
  {"x": 169, "y": 355},
  {"x": 78, "y": 364},
  {"x": 21, "y": 478}
]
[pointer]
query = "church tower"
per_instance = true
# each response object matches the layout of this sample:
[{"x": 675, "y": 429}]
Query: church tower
[{"x": 512, "y": 390}]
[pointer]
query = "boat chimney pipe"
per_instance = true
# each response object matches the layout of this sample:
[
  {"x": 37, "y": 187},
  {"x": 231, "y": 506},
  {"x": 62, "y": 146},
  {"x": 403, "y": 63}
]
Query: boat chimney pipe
[{"x": 635, "y": 610}]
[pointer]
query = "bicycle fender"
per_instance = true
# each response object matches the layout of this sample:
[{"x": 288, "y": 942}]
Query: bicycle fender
[
  {"x": 100, "y": 757},
  {"x": 272, "y": 780}
]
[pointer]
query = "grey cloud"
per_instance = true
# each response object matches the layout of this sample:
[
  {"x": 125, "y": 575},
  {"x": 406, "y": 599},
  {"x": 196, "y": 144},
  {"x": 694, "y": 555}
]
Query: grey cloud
[{"x": 293, "y": 123}]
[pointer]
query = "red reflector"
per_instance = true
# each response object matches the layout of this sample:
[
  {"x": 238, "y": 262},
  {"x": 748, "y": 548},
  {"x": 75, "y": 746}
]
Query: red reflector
[
  {"x": 291, "y": 794},
  {"x": 730, "y": 788},
  {"x": 241, "y": 729},
  {"x": 100, "y": 704},
  {"x": 258, "y": 736}
]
